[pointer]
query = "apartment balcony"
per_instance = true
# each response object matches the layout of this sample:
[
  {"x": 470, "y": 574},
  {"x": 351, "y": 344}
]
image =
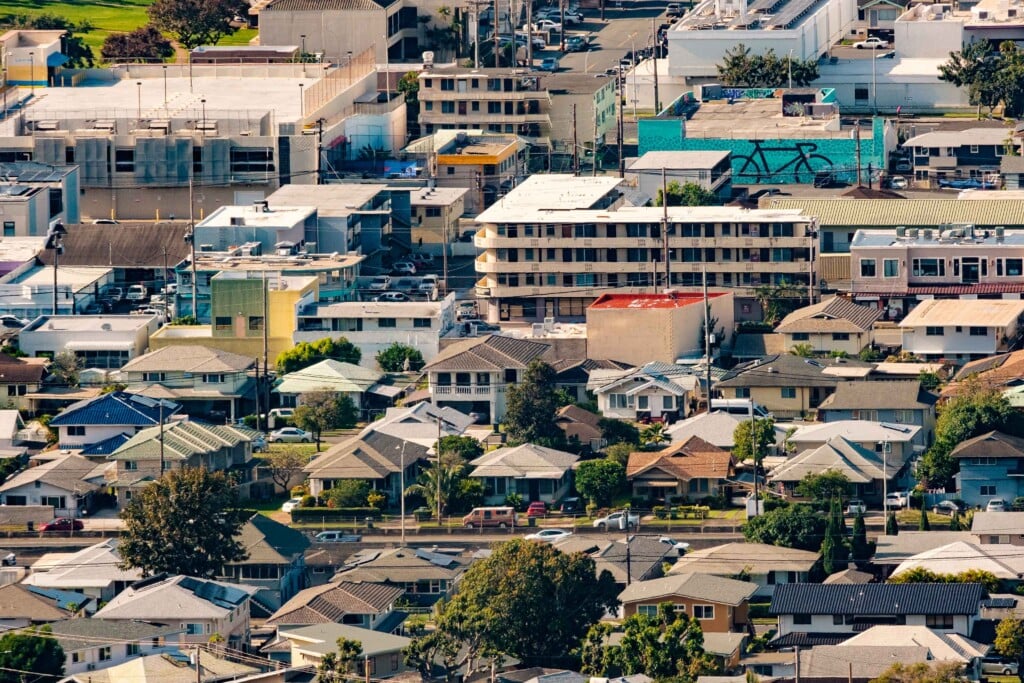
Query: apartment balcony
[
  {"x": 481, "y": 95},
  {"x": 379, "y": 108},
  {"x": 462, "y": 391},
  {"x": 944, "y": 163},
  {"x": 492, "y": 266},
  {"x": 487, "y": 240},
  {"x": 478, "y": 119}
]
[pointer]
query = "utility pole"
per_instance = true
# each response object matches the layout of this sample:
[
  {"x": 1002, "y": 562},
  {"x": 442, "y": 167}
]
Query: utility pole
[
  {"x": 629, "y": 572},
  {"x": 199, "y": 666},
  {"x": 192, "y": 249},
  {"x": 620, "y": 83},
  {"x": 320, "y": 149},
  {"x": 856, "y": 134},
  {"x": 162, "y": 461},
  {"x": 575, "y": 145},
  {"x": 664, "y": 228},
  {"x": 438, "y": 466},
  {"x": 266, "y": 350},
  {"x": 654, "y": 56},
  {"x": 707, "y": 337},
  {"x": 594, "y": 159},
  {"x": 753, "y": 452},
  {"x": 529, "y": 35},
  {"x": 497, "y": 42}
]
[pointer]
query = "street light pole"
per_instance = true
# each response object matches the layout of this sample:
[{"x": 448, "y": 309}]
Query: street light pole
[
  {"x": 789, "y": 63},
  {"x": 32, "y": 68},
  {"x": 165, "y": 86},
  {"x": 138, "y": 90},
  {"x": 401, "y": 485},
  {"x": 55, "y": 243}
]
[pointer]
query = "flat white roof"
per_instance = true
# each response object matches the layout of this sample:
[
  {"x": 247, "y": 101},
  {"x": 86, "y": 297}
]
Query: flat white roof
[
  {"x": 639, "y": 214},
  {"x": 333, "y": 200},
  {"x": 279, "y": 217},
  {"x": 438, "y": 196},
  {"x": 379, "y": 309},
  {"x": 976, "y": 313},
  {"x": 681, "y": 159},
  {"x": 20, "y": 248},
  {"x": 956, "y": 138},
  {"x": 555, "y": 191},
  {"x": 88, "y": 323},
  {"x": 76, "y": 277}
]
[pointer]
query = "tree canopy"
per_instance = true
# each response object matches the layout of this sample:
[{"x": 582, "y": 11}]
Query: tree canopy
[
  {"x": 321, "y": 410},
  {"x": 197, "y": 22},
  {"x": 144, "y": 44},
  {"x": 304, "y": 354},
  {"x": 527, "y": 600},
  {"x": 975, "y": 410},
  {"x": 338, "y": 665},
  {"x": 458, "y": 492},
  {"x": 991, "y": 77},
  {"x": 742, "y": 68},
  {"x": 530, "y": 407},
  {"x": 599, "y": 480},
  {"x": 824, "y": 486},
  {"x": 285, "y": 464},
  {"x": 792, "y": 526},
  {"x": 687, "y": 194},
  {"x": 24, "y": 651},
  {"x": 465, "y": 448},
  {"x": 763, "y": 439},
  {"x": 400, "y": 358},
  {"x": 618, "y": 431},
  {"x": 924, "y": 575},
  {"x": 186, "y": 522},
  {"x": 1010, "y": 638},
  {"x": 922, "y": 672}
]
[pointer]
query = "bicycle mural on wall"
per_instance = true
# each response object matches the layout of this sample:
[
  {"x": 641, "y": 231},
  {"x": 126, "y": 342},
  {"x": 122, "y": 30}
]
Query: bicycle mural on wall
[{"x": 795, "y": 162}]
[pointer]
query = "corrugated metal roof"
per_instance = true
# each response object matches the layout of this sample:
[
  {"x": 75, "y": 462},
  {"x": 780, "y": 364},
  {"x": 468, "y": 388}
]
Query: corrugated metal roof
[
  {"x": 494, "y": 352},
  {"x": 832, "y": 315},
  {"x": 124, "y": 245},
  {"x": 890, "y": 213},
  {"x": 323, "y": 5},
  {"x": 115, "y": 409},
  {"x": 877, "y": 598}
]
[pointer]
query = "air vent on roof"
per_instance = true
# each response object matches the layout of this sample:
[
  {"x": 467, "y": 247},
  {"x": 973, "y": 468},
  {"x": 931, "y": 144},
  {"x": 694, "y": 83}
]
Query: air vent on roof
[{"x": 106, "y": 327}]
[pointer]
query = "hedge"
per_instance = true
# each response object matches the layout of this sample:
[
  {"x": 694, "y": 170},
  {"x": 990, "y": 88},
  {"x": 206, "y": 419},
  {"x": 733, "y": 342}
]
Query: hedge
[{"x": 334, "y": 514}]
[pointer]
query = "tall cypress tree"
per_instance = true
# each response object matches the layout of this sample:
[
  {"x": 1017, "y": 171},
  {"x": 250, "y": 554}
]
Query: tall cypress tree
[
  {"x": 859, "y": 543},
  {"x": 892, "y": 527}
]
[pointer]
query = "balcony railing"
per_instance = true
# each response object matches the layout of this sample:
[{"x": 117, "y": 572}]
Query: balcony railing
[{"x": 461, "y": 390}]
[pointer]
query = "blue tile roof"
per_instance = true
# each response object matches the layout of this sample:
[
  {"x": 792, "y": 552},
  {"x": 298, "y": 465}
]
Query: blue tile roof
[
  {"x": 105, "y": 447},
  {"x": 116, "y": 408}
]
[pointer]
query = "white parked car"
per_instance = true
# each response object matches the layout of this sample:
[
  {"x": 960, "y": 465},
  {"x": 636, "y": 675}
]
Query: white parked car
[
  {"x": 547, "y": 25},
  {"x": 380, "y": 283},
  {"x": 290, "y": 435},
  {"x": 871, "y": 44},
  {"x": 617, "y": 520},
  {"x": 856, "y": 507},
  {"x": 679, "y": 546},
  {"x": 291, "y": 504},
  {"x": 549, "y": 535},
  {"x": 137, "y": 293},
  {"x": 897, "y": 500},
  {"x": 996, "y": 505}
]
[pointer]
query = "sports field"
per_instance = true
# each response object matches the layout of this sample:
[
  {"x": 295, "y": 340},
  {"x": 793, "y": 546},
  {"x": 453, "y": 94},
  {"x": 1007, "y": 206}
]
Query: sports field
[{"x": 106, "y": 16}]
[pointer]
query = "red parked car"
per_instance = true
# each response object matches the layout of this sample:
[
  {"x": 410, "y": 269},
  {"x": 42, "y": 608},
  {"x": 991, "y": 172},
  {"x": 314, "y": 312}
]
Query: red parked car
[
  {"x": 63, "y": 524},
  {"x": 537, "y": 509}
]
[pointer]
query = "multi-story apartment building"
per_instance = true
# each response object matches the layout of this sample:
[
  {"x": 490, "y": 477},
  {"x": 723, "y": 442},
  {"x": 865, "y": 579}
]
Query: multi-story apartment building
[
  {"x": 556, "y": 242},
  {"x": 495, "y": 100},
  {"x": 894, "y": 269},
  {"x": 36, "y": 196}
]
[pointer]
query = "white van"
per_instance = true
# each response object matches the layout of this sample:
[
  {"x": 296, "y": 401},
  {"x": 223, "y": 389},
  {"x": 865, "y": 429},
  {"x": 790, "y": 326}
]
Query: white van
[
  {"x": 739, "y": 406},
  {"x": 337, "y": 537}
]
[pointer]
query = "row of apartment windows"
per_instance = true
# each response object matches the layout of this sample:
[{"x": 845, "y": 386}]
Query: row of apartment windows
[
  {"x": 649, "y": 230},
  {"x": 644, "y": 254},
  {"x": 517, "y": 108},
  {"x": 938, "y": 331},
  {"x": 467, "y": 84},
  {"x": 700, "y": 612},
  {"x": 644, "y": 279},
  {"x": 358, "y": 324},
  {"x": 936, "y": 267},
  {"x": 243, "y": 159}
]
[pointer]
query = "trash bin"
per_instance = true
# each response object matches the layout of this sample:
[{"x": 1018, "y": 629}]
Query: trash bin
[
  {"x": 30, "y": 526},
  {"x": 369, "y": 522},
  {"x": 531, "y": 521}
]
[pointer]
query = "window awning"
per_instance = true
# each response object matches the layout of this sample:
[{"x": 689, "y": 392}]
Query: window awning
[{"x": 85, "y": 345}]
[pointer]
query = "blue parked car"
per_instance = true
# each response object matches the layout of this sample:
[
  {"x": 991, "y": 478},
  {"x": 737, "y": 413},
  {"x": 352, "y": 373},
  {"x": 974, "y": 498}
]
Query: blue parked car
[
  {"x": 549, "y": 64},
  {"x": 967, "y": 184}
]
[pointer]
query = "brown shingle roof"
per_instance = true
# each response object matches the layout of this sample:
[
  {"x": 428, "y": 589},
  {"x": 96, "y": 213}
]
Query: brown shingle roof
[
  {"x": 694, "y": 458},
  {"x": 833, "y": 315},
  {"x": 990, "y": 445},
  {"x": 16, "y": 370},
  {"x": 125, "y": 245},
  {"x": 189, "y": 359},
  {"x": 493, "y": 352},
  {"x": 17, "y": 602},
  {"x": 991, "y": 372},
  {"x": 331, "y": 602},
  {"x": 899, "y": 395},
  {"x": 574, "y": 413},
  {"x": 371, "y": 457}
]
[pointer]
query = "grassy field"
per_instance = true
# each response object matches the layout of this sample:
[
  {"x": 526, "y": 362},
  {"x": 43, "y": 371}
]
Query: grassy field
[{"x": 106, "y": 17}]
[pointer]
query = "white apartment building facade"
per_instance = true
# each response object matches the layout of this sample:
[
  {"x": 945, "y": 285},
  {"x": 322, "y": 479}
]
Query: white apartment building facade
[{"x": 555, "y": 243}]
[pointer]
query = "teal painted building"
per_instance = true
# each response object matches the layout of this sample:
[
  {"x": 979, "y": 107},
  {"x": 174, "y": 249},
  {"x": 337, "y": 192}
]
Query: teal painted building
[{"x": 773, "y": 138}]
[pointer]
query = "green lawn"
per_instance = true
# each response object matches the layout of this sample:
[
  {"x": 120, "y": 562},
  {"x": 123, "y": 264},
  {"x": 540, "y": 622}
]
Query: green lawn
[{"x": 106, "y": 17}]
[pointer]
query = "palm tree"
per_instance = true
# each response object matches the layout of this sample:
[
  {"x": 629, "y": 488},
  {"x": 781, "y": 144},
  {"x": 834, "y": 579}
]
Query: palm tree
[
  {"x": 428, "y": 486},
  {"x": 653, "y": 434}
]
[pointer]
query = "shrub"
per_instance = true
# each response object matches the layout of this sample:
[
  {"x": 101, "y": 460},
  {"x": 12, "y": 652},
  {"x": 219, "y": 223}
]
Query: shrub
[
  {"x": 659, "y": 511},
  {"x": 316, "y": 514},
  {"x": 514, "y": 500},
  {"x": 376, "y": 500},
  {"x": 308, "y": 501},
  {"x": 718, "y": 502},
  {"x": 591, "y": 509}
]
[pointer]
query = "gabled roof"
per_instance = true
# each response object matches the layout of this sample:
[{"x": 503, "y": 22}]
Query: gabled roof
[
  {"x": 694, "y": 458},
  {"x": 858, "y": 431},
  {"x": 399, "y": 565},
  {"x": 97, "y": 566},
  {"x": 63, "y": 473},
  {"x": 1009, "y": 522},
  {"x": 1002, "y": 366},
  {"x": 18, "y": 602},
  {"x": 330, "y": 603},
  {"x": 117, "y": 408},
  {"x": 493, "y": 352},
  {"x": 992, "y": 444},
  {"x": 105, "y": 447},
  {"x": 836, "y": 662},
  {"x": 730, "y": 559},
  {"x": 832, "y": 315},
  {"x": 194, "y": 359},
  {"x": 331, "y": 375},
  {"x": 373, "y": 456},
  {"x": 669, "y": 377},
  {"x": 577, "y": 370},
  {"x": 696, "y": 586},
  {"x": 892, "y": 550},
  {"x": 20, "y": 371},
  {"x": 323, "y": 638},
  {"x": 851, "y": 576},
  {"x": 782, "y": 370},
  {"x": 860, "y": 465},
  {"x": 525, "y": 461},
  {"x": 170, "y": 666},
  {"x": 182, "y": 440},
  {"x": 960, "y": 138},
  {"x": 877, "y": 598},
  {"x": 123, "y": 245},
  {"x": 573, "y": 413},
  {"x": 941, "y": 646},
  {"x": 84, "y": 634},
  {"x": 716, "y": 427},
  {"x": 269, "y": 542},
  {"x": 886, "y": 395},
  {"x": 175, "y": 598},
  {"x": 752, "y": 345},
  {"x": 1003, "y": 560},
  {"x": 421, "y": 418}
]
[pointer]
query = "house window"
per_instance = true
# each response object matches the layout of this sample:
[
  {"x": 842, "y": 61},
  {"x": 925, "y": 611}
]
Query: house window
[
  {"x": 76, "y": 657},
  {"x": 252, "y": 160},
  {"x": 255, "y": 323},
  {"x": 668, "y": 402},
  {"x": 929, "y": 267},
  {"x": 131, "y": 465},
  {"x": 867, "y": 415},
  {"x": 987, "y": 489},
  {"x": 222, "y": 323},
  {"x": 788, "y": 392},
  {"x": 620, "y": 401},
  {"x": 124, "y": 160},
  {"x": 194, "y": 629},
  {"x": 394, "y": 662},
  {"x": 647, "y": 610},
  {"x": 8, "y": 228},
  {"x": 801, "y": 336},
  {"x": 213, "y": 379},
  {"x": 704, "y": 611},
  {"x": 104, "y": 653},
  {"x": 386, "y": 323},
  {"x": 939, "y": 620},
  {"x": 131, "y": 649},
  {"x": 840, "y": 336},
  {"x": 421, "y": 322},
  {"x": 891, "y": 267},
  {"x": 979, "y": 331},
  {"x": 59, "y": 502},
  {"x": 1014, "y": 267},
  {"x": 643, "y": 403},
  {"x": 153, "y": 377},
  {"x": 974, "y": 149},
  {"x": 867, "y": 267},
  {"x": 934, "y": 331},
  {"x": 802, "y": 619},
  {"x": 903, "y": 417},
  {"x": 742, "y": 392},
  {"x": 76, "y": 430}
]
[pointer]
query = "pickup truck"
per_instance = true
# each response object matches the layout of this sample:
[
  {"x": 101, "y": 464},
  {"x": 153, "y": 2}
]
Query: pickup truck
[
  {"x": 617, "y": 520},
  {"x": 897, "y": 500}
]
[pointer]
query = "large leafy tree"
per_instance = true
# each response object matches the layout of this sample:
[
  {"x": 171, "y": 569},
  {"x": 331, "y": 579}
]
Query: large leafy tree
[
  {"x": 339, "y": 665},
  {"x": 527, "y": 600},
  {"x": 399, "y": 358},
  {"x": 30, "y": 657},
  {"x": 304, "y": 354},
  {"x": 322, "y": 410},
  {"x": 823, "y": 486},
  {"x": 618, "y": 431},
  {"x": 687, "y": 194},
  {"x": 792, "y": 526},
  {"x": 144, "y": 44},
  {"x": 1010, "y": 638},
  {"x": 465, "y": 448},
  {"x": 599, "y": 480},
  {"x": 763, "y": 439},
  {"x": 974, "y": 67},
  {"x": 284, "y": 464},
  {"x": 975, "y": 410},
  {"x": 186, "y": 522},
  {"x": 742, "y": 68},
  {"x": 664, "y": 647},
  {"x": 451, "y": 480},
  {"x": 530, "y": 407},
  {"x": 196, "y": 22}
]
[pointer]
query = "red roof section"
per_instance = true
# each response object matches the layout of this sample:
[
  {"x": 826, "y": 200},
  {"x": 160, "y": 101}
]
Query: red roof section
[{"x": 645, "y": 301}]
